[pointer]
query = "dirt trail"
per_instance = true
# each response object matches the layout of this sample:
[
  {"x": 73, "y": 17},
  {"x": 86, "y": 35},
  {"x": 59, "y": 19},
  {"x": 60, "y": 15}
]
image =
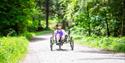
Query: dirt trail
[{"x": 39, "y": 52}]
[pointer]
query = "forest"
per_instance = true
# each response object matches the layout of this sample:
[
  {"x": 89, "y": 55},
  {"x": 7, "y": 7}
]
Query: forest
[
  {"x": 90, "y": 17},
  {"x": 97, "y": 23}
]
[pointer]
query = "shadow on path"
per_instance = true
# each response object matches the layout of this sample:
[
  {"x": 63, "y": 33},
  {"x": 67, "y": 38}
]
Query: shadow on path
[
  {"x": 94, "y": 51},
  {"x": 102, "y": 52},
  {"x": 102, "y": 58},
  {"x": 35, "y": 39},
  {"x": 61, "y": 50}
]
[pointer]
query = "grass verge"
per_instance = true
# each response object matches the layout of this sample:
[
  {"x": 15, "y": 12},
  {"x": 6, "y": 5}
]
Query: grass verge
[
  {"x": 111, "y": 43},
  {"x": 43, "y": 32},
  {"x": 12, "y": 49}
]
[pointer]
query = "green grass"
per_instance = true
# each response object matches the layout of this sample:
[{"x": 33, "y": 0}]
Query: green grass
[
  {"x": 28, "y": 35},
  {"x": 115, "y": 44},
  {"x": 12, "y": 49},
  {"x": 43, "y": 32}
]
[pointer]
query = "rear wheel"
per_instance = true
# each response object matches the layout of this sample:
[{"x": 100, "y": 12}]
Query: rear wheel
[{"x": 71, "y": 43}]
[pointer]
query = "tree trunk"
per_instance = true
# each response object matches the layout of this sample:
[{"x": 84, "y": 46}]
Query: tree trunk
[
  {"x": 122, "y": 19},
  {"x": 47, "y": 14},
  {"x": 107, "y": 27},
  {"x": 106, "y": 20},
  {"x": 89, "y": 21}
]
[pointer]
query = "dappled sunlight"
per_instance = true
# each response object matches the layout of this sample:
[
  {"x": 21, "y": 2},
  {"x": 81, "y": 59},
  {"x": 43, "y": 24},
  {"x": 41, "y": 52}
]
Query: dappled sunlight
[
  {"x": 40, "y": 52},
  {"x": 62, "y": 31}
]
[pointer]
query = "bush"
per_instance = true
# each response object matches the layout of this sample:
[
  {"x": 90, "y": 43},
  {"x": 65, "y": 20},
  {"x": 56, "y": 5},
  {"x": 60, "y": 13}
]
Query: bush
[
  {"x": 28, "y": 35},
  {"x": 118, "y": 44},
  {"x": 12, "y": 49},
  {"x": 22, "y": 17},
  {"x": 110, "y": 43}
]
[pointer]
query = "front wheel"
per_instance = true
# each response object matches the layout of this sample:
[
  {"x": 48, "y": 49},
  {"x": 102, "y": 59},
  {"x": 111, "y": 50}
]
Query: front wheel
[
  {"x": 71, "y": 43},
  {"x": 51, "y": 44},
  {"x": 60, "y": 44}
]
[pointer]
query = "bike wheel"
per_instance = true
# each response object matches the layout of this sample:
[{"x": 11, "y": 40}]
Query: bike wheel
[
  {"x": 51, "y": 44},
  {"x": 60, "y": 45}
]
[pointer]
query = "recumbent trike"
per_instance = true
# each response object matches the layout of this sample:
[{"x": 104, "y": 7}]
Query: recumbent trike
[{"x": 68, "y": 39}]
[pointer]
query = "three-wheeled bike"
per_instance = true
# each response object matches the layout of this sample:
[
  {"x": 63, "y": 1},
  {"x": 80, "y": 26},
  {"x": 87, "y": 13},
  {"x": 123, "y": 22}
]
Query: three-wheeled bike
[{"x": 68, "y": 39}]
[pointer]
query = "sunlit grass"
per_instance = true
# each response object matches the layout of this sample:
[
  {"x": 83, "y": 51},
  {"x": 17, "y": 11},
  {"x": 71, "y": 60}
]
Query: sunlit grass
[
  {"x": 115, "y": 44},
  {"x": 12, "y": 49},
  {"x": 43, "y": 32}
]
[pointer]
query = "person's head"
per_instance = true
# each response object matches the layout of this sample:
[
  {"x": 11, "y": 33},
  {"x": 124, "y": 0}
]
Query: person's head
[{"x": 59, "y": 26}]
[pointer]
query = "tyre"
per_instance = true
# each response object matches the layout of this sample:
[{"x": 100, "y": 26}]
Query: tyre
[
  {"x": 71, "y": 43},
  {"x": 59, "y": 46}
]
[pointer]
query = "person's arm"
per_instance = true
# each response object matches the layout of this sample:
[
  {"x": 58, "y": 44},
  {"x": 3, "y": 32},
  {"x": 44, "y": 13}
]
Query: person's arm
[
  {"x": 64, "y": 32},
  {"x": 54, "y": 33}
]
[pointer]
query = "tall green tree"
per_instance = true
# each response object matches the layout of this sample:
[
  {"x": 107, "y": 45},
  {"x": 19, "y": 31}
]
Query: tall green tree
[
  {"x": 47, "y": 14},
  {"x": 16, "y": 15}
]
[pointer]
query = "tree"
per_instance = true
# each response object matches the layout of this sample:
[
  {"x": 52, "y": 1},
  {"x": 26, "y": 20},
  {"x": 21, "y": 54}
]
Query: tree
[
  {"x": 17, "y": 15},
  {"x": 47, "y": 14}
]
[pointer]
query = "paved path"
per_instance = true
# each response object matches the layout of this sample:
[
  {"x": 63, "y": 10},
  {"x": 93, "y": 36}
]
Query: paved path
[{"x": 39, "y": 52}]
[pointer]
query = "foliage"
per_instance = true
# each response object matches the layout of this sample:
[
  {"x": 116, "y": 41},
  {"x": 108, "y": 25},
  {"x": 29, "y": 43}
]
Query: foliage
[
  {"x": 12, "y": 49},
  {"x": 98, "y": 17},
  {"x": 106, "y": 43},
  {"x": 43, "y": 32},
  {"x": 84, "y": 17},
  {"x": 28, "y": 35},
  {"x": 18, "y": 15}
]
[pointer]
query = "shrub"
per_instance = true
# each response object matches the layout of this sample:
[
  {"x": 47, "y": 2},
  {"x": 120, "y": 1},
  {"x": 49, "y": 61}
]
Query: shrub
[
  {"x": 12, "y": 49},
  {"x": 28, "y": 35},
  {"x": 110, "y": 43}
]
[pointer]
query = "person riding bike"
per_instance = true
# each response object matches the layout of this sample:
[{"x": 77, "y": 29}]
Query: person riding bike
[{"x": 59, "y": 33}]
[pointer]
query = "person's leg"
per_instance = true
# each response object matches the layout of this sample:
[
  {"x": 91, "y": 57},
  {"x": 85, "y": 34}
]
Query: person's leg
[
  {"x": 57, "y": 37},
  {"x": 62, "y": 38}
]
